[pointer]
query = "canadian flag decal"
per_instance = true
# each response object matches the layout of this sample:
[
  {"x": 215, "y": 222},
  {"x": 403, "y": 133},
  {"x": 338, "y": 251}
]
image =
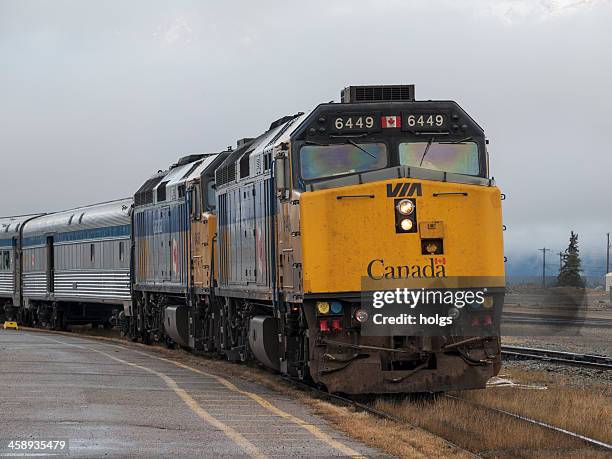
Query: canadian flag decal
[{"x": 391, "y": 121}]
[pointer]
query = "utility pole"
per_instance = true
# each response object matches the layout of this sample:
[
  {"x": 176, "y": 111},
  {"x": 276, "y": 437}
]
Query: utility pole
[
  {"x": 560, "y": 261},
  {"x": 608, "y": 255},
  {"x": 544, "y": 250}
]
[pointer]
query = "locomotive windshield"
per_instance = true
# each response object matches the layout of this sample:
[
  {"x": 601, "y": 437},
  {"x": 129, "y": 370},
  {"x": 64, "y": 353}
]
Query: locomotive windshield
[
  {"x": 318, "y": 161},
  {"x": 459, "y": 157}
]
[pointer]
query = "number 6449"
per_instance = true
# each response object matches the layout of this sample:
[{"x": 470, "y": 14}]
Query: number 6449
[
  {"x": 354, "y": 122},
  {"x": 425, "y": 120}
]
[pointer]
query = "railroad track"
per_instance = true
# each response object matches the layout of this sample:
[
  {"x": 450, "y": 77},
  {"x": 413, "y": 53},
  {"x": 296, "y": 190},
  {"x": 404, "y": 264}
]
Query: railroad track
[
  {"x": 345, "y": 401},
  {"x": 516, "y": 317},
  {"x": 566, "y": 358},
  {"x": 590, "y": 441}
]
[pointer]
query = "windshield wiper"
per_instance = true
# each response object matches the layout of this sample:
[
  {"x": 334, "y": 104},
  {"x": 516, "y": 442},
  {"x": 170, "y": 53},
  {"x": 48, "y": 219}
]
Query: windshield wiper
[
  {"x": 426, "y": 151},
  {"x": 352, "y": 142}
]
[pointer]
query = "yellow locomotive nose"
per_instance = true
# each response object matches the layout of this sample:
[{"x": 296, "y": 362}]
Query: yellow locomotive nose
[{"x": 435, "y": 238}]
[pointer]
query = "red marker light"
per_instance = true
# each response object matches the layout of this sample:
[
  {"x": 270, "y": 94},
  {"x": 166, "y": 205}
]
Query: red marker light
[
  {"x": 324, "y": 325},
  {"x": 336, "y": 324},
  {"x": 475, "y": 322},
  {"x": 488, "y": 320}
]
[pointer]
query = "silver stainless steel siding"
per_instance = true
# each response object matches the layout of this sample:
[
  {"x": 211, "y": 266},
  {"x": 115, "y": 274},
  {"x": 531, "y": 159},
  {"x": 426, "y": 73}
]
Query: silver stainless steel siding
[
  {"x": 35, "y": 283},
  {"x": 7, "y": 283},
  {"x": 93, "y": 284}
]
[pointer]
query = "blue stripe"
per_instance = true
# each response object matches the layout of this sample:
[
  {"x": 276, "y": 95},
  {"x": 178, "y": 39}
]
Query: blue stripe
[
  {"x": 37, "y": 240},
  {"x": 96, "y": 233},
  {"x": 6, "y": 242},
  {"x": 150, "y": 221}
]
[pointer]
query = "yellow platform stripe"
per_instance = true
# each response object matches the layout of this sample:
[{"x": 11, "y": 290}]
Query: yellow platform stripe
[
  {"x": 231, "y": 433},
  {"x": 314, "y": 430}
]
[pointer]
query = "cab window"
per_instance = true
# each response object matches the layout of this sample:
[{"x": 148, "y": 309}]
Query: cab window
[
  {"x": 319, "y": 161},
  {"x": 458, "y": 158}
]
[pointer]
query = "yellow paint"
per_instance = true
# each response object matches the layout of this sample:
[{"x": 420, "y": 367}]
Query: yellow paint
[
  {"x": 341, "y": 236},
  {"x": 202, "y": 243},
  {"x": 314, "y": 430},
  {"x": 231, "y": 433},
  {"x": 193, "y": 405},
  {"x": 9, "y": 324}
]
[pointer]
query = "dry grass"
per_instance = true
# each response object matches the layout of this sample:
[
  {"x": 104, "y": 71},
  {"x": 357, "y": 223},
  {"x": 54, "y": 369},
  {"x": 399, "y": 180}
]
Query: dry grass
[
  {"x": 584, "y": 410},
  {"x": 485, "y": 432}
]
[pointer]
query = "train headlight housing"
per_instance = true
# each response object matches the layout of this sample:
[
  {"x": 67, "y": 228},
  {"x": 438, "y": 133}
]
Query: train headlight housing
[
  {"x": 406, "y": 224},
  {"x": 323, "y": 307},
  {"x": 488, "y": 302},
  {"x": 405, "y": 207},
  {"x": 361, "y": 315},
  {"x": 336, "y": 307}
]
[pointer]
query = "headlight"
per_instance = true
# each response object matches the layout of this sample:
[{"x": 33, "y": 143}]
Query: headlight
[
  {"x": 361, "y": 315},
  {"x": 406, "y": 224},
  {"x": 323, "y": 307},
  {"x": 336, "y": 307},
  {"x": 405, "y": 207},
  {"x": 453, "y": 313},
  {"x": 488, "y": 302}
]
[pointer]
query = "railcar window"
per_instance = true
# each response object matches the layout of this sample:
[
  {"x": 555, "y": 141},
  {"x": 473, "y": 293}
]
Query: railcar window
[
  {"x": 195, "y": 202},
  {"x": 121, "y": 251},
  {"x": 210, "y": 194},
  {"x": 6, "y": 260},
  {"x": 318, "y": 161},
  {"x": 92, "y": 252},
  {"x": 459, "y": 158}
]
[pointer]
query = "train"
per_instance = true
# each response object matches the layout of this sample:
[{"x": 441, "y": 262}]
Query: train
[{"x": 263, "y": 252}]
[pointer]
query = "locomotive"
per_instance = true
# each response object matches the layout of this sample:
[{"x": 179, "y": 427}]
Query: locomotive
[{"x": 264, "y": 251}]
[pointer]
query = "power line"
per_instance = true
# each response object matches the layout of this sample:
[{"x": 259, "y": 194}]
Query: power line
[
  {"x": 608, "y": 254},
  {"x": 544, "y": 250}
]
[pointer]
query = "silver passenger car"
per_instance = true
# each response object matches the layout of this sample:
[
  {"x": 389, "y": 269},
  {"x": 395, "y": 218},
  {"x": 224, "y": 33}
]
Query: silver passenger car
[
  {"x": 10, "y": 266},
  {"x": 76, "y": 261}
]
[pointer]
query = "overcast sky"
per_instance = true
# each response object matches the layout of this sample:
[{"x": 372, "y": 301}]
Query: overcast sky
[{"x": 96, "y": 96}]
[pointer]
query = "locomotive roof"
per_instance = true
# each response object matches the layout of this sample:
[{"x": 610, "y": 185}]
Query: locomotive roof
[
  {"x": 102, "y": 215},
  {"x": 189, "y": 171},
  {"x": 279, "y": 131},
  {"x": 184, "y": 171}
]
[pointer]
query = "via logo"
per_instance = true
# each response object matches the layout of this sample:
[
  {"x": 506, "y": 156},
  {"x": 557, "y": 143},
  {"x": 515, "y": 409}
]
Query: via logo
[{"x": 403, "y": 190}]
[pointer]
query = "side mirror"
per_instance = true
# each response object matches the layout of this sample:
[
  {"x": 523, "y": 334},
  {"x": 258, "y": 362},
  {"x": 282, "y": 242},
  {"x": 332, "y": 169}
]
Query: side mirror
[{"x": 280, "y": 175}]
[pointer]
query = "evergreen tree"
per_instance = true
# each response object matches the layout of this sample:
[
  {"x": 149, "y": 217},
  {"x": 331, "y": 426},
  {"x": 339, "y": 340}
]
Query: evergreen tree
[{"x": 569, "y": 274}]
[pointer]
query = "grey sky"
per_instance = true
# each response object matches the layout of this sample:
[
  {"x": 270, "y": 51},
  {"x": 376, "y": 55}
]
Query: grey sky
[{"x": 96, "y": 96}]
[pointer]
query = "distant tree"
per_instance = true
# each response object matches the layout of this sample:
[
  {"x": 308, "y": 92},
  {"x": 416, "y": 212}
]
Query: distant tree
[{"x": 569, "y": 274}]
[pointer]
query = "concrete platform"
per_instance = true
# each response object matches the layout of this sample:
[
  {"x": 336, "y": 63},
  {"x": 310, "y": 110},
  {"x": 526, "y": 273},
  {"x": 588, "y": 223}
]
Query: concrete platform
[{"x": 109, "y": 400}]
